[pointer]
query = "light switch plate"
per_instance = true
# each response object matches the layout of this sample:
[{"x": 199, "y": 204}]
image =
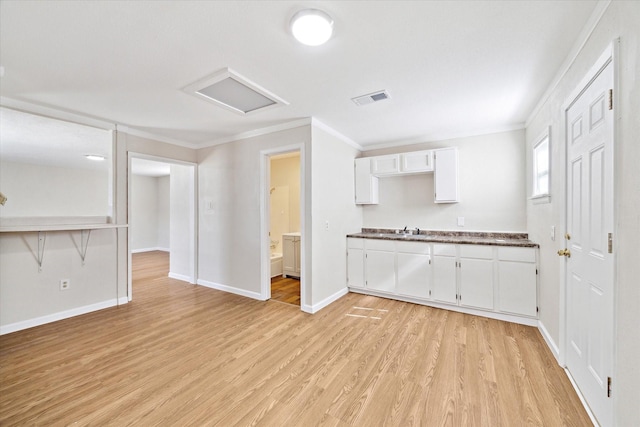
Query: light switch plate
[
  {"x": 553, "y": 232},
  {"x": 460, "y": 221}
]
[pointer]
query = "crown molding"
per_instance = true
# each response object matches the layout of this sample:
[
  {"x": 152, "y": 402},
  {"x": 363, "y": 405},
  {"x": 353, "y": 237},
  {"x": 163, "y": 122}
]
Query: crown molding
[{"x": 317, "y": 123}]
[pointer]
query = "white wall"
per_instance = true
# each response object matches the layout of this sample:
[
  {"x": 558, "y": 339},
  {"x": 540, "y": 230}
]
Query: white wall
[
  {"x": 285, "y": 176},
  {"x": 620, "y": 20},
  {"x": 229, "y": 176},
  {"x": 163, "y": 199},
  {"x": 182, "y": 226},
  {"x": 491, "y": 181},
  {"x": 332, "y": 201},
  {"x": 149, "y": 223},
  {"x": 38, "y": 190},
  {"x": 29, "y": 297}
]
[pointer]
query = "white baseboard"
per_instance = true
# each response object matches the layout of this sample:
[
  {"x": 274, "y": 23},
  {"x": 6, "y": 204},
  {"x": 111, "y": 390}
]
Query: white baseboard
[
  {"x": 325, "y": 302},
  {"x": 123, "y": 300},
  {"x": 182, "y": 277},
  {"x": 26, "y": 324},
  {"x": 137, "y": 251},
  {"x": 555, "y": 350},
  {"x": 582, "y": 399},
  {"x": 231, "y": 289}
]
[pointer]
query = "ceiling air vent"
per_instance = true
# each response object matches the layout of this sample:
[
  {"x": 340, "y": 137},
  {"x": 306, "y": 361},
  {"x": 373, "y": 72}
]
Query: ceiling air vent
[
  {"x": 371, "y": 98},
  {"x": 230, "y": 90}
]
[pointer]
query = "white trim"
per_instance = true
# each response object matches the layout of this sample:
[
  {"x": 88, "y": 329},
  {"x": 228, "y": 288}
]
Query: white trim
[
  {"x": 57, "y": 113},
  {"x": 317, "y": 123},
  {"x": 258, "y": 132},
  {"x": 182, "y": 277},
  {"x": 137, "y": 251},
  {"x": 528, "y": 321},
  {"x": 149, "y": 135},
  {"x": 581, "y": 397},
  {"x": 555, "y": 350},
  {"x": 311, "y": 309},
  {"x": 49, "y": 318},
  {"x": 123, "y": 300},
  {"x": 439, "y": 137},
  {"x": 597, "y": 14},
  {"x": 230, "y": 289},
  {"x": 541, "y": 199}
]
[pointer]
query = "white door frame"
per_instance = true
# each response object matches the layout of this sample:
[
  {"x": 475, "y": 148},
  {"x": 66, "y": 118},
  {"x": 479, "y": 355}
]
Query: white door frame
[
  {"x": 610, "y": 55},
  {"x": 194, "y": 220},
  {"x": 265, "y": 220}
]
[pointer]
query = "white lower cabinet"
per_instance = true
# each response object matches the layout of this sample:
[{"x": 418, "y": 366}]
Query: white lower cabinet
[
  {"x": 444, "y": 274},
  {"x": 414, "y": 269},
  {"x": 355, "y": 263},
  {"x": 291, "y": 255},
  {"x": 479, "y": 277},
  {"x": 476, "y": 265},
  {"x": 380, "y": 265},
  {"x": 517, "y": 277}
]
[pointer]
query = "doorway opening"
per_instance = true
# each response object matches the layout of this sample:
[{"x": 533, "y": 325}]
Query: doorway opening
[
  {"x": 283, "y": 247},
  {"x": 162, "y": 218},
  {"x": 284, "y": 227}
]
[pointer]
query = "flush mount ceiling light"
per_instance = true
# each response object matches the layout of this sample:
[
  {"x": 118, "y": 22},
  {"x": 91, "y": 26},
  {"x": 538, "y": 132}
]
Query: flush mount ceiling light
[
  {"x": 230, "y": 90},
  {"x": 95, "y": 157},
  {"x": 312, "y": 27}
]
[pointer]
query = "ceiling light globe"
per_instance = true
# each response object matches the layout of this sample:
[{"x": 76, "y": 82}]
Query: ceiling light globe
[{"x": 312, "y": 27}]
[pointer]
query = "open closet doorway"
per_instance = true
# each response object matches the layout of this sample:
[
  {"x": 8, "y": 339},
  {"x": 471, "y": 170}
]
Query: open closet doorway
[
  {"x": 284, "y": 227},
  {"x": 162, "y": 218}
]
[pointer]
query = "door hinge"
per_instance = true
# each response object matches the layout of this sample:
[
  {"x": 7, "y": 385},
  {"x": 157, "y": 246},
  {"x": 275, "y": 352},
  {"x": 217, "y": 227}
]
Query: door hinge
[
  {"x": 429, "y": 292},
  {"x": 610, "y": 99},
  {"x": 610, "y": 242},
  {"x": 537, "y": 309},
  {"x": 536, "y": 271},
  {"x": 608, "y": 386}
]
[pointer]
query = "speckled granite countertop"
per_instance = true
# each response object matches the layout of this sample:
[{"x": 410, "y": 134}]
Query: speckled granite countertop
[{"x": 454, "y": 237}]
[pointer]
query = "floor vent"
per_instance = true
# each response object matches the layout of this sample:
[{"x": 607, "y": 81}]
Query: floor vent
[{"x": 371, "y": 98}]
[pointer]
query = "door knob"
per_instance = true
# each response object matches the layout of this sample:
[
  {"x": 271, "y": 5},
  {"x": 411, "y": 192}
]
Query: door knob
[{"x": 564, "y": 252}]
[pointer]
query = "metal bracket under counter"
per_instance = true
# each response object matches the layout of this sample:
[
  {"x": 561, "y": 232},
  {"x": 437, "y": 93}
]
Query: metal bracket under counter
[{"x": 85, "y": 235}]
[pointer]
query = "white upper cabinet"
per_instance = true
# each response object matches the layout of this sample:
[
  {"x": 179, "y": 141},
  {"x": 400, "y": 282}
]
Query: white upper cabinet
[
  {"x": 385, "y": 165},
  {"x": 446, "y": 175},
  {"x": 366, "y": 183},
  {"x": 416, "y": 161}
]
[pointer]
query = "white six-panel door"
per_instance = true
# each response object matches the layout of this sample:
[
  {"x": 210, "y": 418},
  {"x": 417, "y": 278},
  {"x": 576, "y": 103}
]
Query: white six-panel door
[{"x": 589, "y": 269}]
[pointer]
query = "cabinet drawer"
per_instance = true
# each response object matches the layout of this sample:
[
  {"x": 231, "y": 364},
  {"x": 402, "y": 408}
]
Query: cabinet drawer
[
  {"x": 353, "y": 243},
  {"x": 381, "y": 245},
  {"x": 413, "y": 247},
  {"x": 476, "y": 251},
  {"x": 517, "y": 254},
  {"x": 444, "y": 250}
]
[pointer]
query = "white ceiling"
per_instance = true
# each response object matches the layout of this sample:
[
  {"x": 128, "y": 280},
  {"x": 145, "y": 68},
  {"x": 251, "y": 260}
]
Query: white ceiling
[{"x": 452, "y": 68}]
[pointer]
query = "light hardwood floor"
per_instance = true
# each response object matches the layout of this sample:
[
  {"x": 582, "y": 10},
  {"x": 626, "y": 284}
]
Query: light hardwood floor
[
  {"x": 181, "y": 355},
  {"x": 285, "y": 290}
]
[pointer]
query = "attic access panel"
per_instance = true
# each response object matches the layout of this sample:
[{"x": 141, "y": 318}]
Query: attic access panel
[{"x": 234, "y": 92}]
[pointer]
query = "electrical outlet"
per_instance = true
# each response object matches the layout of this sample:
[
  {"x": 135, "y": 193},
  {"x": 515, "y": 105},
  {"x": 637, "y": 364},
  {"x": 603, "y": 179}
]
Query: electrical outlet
[
  {"x": 65, "y": 284},
  {"x": 326, "y": 225}
]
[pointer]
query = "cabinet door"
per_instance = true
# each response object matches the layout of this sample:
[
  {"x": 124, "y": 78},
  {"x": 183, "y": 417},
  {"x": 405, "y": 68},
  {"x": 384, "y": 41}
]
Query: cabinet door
[
  {"x": 380, "y": 268},
  {"x": 476, "y": 283},
  {"x": 366, "y": 185},
  {"x": 355, "y": 267},
  {"x": 416, "y": 161},
  {"x": 296, "y": 256},
  {"x": 413, "y": 274},
  {"x": 383, "y": 165},
  {"x": 517, "y": 288},
  {"x": 444, "y": 279},
  {"x": 288, "y": 256},
  {"x": 446, "y": 175}
]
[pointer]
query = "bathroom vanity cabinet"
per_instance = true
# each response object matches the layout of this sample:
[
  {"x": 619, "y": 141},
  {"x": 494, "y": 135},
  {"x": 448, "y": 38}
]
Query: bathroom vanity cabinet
[{"x": 291, "y": 255}]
